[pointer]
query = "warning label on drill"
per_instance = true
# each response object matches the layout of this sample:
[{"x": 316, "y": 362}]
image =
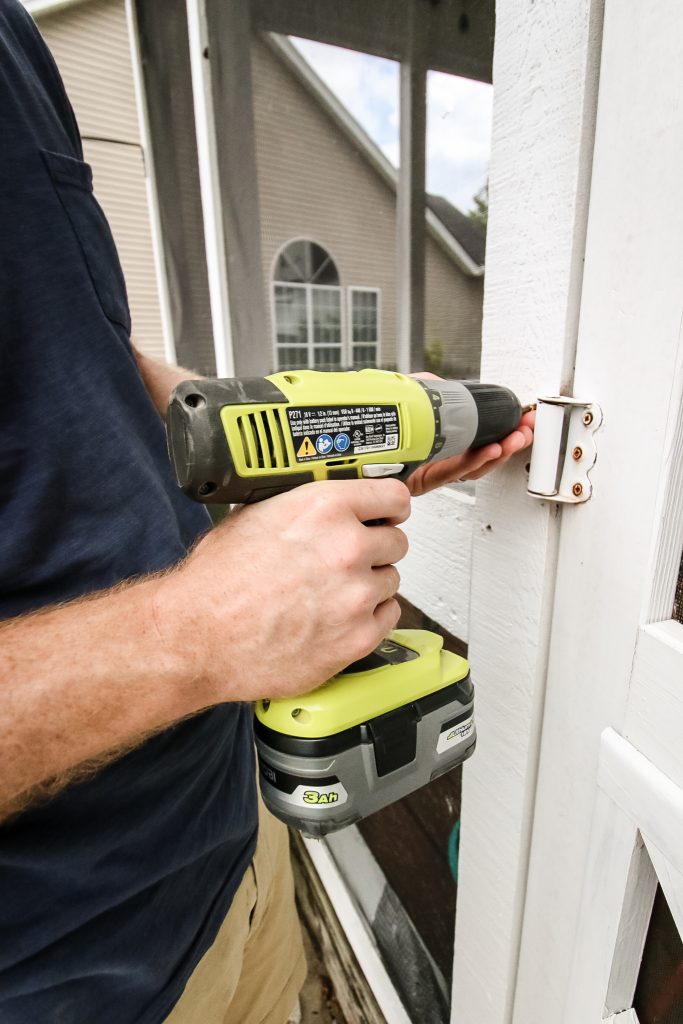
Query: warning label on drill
[{"x": 328, "y": 432}]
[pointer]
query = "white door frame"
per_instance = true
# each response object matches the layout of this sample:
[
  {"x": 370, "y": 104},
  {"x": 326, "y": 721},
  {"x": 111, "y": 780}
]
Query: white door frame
[{"x": 615, "y": 662}]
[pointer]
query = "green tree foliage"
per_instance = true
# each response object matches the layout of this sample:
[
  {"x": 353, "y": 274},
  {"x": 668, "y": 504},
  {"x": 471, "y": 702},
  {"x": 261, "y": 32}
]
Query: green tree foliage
[
  {"x": 434, "y": 356},
  {"x": 480, "y": 213}
]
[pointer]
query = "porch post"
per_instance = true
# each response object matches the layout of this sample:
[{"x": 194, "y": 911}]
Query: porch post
[
  {"x": 411, "y": 207},
  {"x": 220, "y": 49},
  {"x": 545, "y": 78}
]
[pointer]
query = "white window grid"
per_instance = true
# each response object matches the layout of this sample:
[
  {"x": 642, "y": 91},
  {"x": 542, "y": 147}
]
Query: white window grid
[
  {"x": 341, "y": 347},
  {"x": 319, "y": 339}
]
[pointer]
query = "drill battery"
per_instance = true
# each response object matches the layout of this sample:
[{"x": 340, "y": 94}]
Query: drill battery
[{"x": 382, "y": 728}]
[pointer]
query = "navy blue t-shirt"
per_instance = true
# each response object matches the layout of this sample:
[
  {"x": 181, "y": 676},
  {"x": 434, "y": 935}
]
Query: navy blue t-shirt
[{"x": 110, "y": 892}]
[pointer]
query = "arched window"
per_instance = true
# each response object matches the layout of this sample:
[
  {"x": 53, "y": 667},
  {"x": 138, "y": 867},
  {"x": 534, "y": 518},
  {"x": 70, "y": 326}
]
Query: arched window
[{"x": 307, "y": 308}]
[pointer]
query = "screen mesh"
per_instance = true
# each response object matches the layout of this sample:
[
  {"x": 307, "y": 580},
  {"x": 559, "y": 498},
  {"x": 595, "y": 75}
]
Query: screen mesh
[{"x": 678, "y": 599}]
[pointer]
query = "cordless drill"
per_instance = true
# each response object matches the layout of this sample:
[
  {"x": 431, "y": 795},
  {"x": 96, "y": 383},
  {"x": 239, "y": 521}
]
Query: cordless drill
[
  {"x": 403, "y": 715},
  {"x": 238, "y": 441}
]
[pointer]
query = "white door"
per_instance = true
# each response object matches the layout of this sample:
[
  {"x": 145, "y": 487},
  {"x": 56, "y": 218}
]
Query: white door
[{"x": 608, "y": 817}]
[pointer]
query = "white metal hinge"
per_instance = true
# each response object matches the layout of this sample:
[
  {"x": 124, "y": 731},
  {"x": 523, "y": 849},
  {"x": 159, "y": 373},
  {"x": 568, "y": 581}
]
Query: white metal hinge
[{"x": 564, "y": 449}]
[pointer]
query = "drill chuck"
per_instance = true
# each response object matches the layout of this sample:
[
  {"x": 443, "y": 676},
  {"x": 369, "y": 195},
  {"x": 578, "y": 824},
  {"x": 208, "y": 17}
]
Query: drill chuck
[{"x": 472, "y": 415}]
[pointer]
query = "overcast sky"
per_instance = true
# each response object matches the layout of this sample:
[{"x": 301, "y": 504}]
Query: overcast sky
[{"x": 458, "y": 115}]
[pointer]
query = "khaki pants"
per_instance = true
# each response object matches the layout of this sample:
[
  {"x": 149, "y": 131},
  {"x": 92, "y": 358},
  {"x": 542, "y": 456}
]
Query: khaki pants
[{"x": 253, "y": 972}]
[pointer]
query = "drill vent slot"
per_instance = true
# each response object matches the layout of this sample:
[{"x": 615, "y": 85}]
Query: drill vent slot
[{"x": 263, "y": 439}]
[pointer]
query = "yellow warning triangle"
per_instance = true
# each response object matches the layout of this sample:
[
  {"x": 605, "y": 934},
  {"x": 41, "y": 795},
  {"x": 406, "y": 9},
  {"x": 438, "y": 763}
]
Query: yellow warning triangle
[{"x": 306, "y": 448}]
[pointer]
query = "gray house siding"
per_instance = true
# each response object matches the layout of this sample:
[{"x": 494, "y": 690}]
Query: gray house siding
[
  {"x": 453, "y": 314},
  {"x": 91, "y": 47},
  {"x": 315, "y": 183}
]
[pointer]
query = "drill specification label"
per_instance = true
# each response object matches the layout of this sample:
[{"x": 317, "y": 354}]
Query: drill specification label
[
  {"x": 328, "y": 432},
  {"x": 456, "y": 734}
]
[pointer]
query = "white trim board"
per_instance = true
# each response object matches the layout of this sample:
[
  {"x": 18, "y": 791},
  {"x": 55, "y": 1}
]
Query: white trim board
[
  {"x": 652, "y": 722},
  {"x": 358, "y": 934}
]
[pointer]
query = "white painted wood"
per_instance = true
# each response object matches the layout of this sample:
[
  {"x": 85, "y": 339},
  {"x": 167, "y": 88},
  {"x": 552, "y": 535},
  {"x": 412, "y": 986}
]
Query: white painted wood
[
  {"x": 628, "y": 1017},
  {"x": 638, "y": 898},
  {"x": 440, "y": 531},
  {"x": 359, "y": 868},
  {"x": 545, "y": 74},
  {"x": 669, "y": 543},
  {"x": 652, "y": 801},
  {"x": 635, "y": 800},
  {"x": 210, "y": 189},
  {"x": 615, "y": 846},
  {"x": 150, "y": 184},
  {"x": 359, "y": 936},
  {"x": 628, "y": 359},
  {"x": 655, "y": 706}
]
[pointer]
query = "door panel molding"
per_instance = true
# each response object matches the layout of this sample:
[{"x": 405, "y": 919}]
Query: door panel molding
[{"x": 636, "y": 841}]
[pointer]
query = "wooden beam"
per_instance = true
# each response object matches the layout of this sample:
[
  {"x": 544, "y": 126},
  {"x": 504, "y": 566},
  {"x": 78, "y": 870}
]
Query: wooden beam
[
  {"x": 230, "y": 187},
  {"x": 410, "y": 228},
  {"x": 165, "y": 60},
  {"x": 459, "y": 33}
]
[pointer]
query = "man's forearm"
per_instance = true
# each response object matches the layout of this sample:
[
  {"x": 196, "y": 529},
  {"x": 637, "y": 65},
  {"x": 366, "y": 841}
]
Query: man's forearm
[
  {"x": 80, "y": 680},
  {"x": 80, "y": 683},
  {"x": 160, "y": 379}
]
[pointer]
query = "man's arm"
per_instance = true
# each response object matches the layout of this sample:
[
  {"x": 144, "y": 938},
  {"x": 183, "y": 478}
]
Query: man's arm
[
  {"x": 87, "y": 679},
  {"x": 160, "y": 379}
]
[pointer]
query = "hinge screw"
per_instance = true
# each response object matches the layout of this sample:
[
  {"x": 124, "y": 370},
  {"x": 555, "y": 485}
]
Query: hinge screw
[
  {"x": 577, "y": 453},
  {"x": 577, "y": 490},
  {"x": 587, "y": 418}
]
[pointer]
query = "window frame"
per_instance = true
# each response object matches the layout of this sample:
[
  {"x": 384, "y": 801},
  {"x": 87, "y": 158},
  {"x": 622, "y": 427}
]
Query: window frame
[
  {"x": 345, "y": 310},
  {"x": 349, "y": 316},
  {"x": 274, "y": 282}
]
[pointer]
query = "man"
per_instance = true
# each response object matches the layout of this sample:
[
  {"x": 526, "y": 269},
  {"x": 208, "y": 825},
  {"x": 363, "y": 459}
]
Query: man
[{"x": 132, "y": 885}]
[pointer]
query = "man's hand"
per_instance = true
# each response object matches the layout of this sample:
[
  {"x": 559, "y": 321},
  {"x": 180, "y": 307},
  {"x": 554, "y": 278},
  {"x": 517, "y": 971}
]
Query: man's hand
[
  {"x": 475, "y": 462},
  {"x": 285, "y": 593}
]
